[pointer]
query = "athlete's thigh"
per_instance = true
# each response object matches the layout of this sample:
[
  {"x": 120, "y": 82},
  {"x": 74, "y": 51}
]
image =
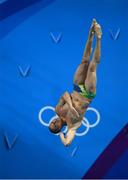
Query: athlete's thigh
[
  {"x": 81, "y": 73},
  {"x": 90, "y": 81}
]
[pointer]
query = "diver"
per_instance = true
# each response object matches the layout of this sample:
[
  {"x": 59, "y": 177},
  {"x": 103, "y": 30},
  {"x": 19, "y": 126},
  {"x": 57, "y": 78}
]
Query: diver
[{"x": 72, "y": 107}]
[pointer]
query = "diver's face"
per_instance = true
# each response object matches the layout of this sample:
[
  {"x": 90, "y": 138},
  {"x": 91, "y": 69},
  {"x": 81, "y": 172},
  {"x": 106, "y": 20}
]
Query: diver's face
[{"x": 55, "y": 126}]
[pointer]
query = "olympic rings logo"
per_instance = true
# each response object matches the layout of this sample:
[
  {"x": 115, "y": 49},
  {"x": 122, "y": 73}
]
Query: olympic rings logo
[{"x": 85, "y": 121}]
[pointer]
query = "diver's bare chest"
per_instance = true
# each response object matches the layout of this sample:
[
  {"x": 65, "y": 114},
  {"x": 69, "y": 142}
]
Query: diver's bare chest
[{"x": 69, "y": 116}]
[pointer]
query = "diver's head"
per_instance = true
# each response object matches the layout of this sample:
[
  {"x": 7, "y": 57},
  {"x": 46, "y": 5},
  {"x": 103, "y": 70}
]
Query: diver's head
[{"x": 56, "y": 125}]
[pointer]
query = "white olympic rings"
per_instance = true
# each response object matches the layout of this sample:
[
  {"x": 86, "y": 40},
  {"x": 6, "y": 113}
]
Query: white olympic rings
[{"x": 85, "y": 122}]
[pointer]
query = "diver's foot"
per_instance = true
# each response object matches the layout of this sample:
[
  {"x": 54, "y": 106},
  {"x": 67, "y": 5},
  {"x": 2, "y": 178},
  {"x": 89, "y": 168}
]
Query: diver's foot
[
  {"x": 92, "y": 28},
  {"x": 98, "y": 30}
]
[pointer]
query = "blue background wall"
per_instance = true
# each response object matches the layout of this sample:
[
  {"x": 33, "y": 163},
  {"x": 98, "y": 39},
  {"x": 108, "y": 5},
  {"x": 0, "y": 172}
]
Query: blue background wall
[{"x": 26, "y": 42}]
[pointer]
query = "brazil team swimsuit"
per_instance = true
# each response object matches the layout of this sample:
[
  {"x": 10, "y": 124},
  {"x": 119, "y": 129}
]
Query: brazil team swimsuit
[{"x": 81, "y": 89}]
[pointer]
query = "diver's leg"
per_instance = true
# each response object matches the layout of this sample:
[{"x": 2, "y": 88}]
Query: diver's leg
[
  {"x": 88, "y": 47},
  {"x": 90, "y": 82},
  {"x": 81, "y": 72}
]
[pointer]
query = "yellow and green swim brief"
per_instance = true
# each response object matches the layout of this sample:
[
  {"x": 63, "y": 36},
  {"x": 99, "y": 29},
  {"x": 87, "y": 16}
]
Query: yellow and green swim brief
[{"x": 81, "y": 89}]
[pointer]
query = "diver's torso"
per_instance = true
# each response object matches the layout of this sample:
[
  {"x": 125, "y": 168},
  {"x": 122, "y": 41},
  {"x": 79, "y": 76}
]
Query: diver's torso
[{"x": 80, "y": 103}]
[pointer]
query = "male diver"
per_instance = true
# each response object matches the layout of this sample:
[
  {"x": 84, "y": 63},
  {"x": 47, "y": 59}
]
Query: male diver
[{"x": 72, "y": 107}]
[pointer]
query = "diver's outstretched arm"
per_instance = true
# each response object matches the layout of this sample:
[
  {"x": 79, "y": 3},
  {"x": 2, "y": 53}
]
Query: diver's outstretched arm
[{"x": 69, "y": 137}]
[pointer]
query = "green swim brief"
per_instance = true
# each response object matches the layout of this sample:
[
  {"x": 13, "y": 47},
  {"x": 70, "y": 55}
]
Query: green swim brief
[{"x": 83, "y": 91}]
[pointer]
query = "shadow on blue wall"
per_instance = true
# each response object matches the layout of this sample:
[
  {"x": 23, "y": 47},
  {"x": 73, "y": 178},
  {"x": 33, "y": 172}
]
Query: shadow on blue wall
[{"x": 23, "y": 10}]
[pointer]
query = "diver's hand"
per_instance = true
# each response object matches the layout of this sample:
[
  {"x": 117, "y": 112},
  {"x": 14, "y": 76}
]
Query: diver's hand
[{"x": 69, "y": 137}]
